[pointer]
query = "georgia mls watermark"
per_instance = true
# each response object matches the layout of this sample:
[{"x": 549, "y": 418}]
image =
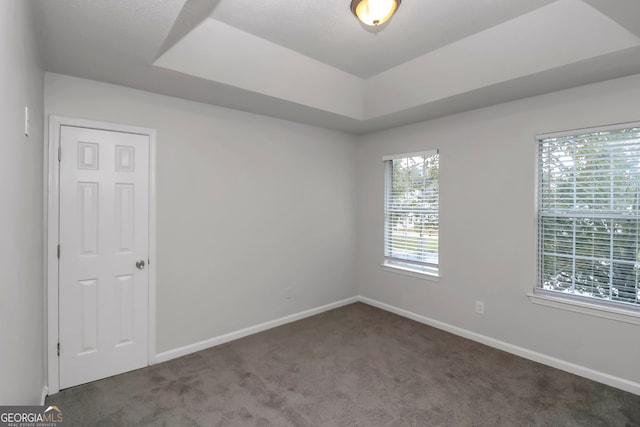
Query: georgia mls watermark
[{"x": 30, "y": 416}]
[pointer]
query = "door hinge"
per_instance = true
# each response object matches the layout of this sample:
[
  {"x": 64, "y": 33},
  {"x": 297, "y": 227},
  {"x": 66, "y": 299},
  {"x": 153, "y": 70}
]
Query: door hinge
[
  {"x": 58, "y": 251},
  {"x": 58, "y": 349},
  {"x": 59, "y": 152}
]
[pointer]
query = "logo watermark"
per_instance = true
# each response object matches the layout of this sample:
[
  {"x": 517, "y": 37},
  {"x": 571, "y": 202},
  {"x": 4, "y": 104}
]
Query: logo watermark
[{"x": 31, "y": 416}]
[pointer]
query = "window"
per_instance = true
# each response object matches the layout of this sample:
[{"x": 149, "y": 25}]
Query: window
[
  {"x": 412, "y": 212},
  {"x": 589, "y": 214}
]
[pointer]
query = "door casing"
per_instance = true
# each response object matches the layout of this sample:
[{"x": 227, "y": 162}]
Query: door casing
[{"x": 51, "y": 227}]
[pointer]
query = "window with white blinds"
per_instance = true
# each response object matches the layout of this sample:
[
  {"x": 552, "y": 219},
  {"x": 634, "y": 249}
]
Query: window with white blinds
[
  {"x": 589, "y": 214},
  {"x": 412, "y": 211}
]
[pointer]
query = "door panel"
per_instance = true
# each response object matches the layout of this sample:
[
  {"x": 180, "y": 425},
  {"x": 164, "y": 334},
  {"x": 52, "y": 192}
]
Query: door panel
[{"x": 104, "y": 230}]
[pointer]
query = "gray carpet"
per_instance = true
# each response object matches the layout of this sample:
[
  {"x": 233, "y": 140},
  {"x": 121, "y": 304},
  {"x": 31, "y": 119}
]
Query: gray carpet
[{"x": 353, "y": 366}]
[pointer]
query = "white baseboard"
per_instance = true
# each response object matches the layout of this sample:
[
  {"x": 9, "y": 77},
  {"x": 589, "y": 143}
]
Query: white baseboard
[
  {"x": 579, "y": 370},
  {"x": 212, "y": 342},
  {"x": 43, "y": 396}
]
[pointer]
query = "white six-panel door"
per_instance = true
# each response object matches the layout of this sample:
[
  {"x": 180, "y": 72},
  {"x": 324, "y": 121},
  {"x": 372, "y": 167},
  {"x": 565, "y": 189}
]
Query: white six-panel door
[{"x": 104, "y": 232}]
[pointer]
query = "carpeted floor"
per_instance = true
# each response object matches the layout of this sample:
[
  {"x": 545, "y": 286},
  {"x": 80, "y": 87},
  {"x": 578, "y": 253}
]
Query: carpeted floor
[{"x": 353, "y": 366}]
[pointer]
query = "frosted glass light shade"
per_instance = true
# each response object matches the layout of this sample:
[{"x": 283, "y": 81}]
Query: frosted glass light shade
[{"x": 374, "y": 12}]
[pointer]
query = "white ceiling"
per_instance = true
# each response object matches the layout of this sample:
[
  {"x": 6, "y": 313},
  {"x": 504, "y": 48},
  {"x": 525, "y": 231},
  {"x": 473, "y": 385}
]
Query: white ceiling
[
  {"x": 311, "y": 61},
  {"x": 327, "y": 31}
]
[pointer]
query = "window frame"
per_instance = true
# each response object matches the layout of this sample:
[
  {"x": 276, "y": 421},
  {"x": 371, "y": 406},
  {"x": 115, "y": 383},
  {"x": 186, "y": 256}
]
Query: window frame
[
  {"x": 407, "y": 267},
  {"x": 593, "y": 306}
]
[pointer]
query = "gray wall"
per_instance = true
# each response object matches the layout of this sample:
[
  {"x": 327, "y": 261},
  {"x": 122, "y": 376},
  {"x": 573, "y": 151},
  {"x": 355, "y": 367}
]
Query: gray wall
[
  {"x": 488, "y": 225},
  {"x": 248, "y": 206},
  {"x": 21, "y": 219}
]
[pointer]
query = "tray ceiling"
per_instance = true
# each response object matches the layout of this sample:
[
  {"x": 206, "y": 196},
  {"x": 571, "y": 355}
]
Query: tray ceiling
[{"x": 313, "y": 62}]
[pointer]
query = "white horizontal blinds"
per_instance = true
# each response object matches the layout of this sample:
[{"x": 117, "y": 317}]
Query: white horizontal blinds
[
  {"x": 412, "y": 210},
  {"x": 589, "y": 214}
]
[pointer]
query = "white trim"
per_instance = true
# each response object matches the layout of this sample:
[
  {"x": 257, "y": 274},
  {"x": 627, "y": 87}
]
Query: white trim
[
  {"x": 43, "y": 396},
  {"x": 153, "y": 260},
  {"x": 579, "y": 370},
  {"x": 212, "y": 342},
  {"x": 582, "y": 371},
  {"x": 585, "y": 307},
  {"x": 583, "y": 131},
  {"x": 433, "y": 277},
  {"x": 51, "y": 283},
  {"x": 51, "y": 212},
  {"x": 426, "y": 153}
]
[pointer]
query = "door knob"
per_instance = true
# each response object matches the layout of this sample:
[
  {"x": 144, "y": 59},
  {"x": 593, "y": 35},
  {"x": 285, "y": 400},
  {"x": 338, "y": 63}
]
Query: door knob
[{"x": 140, "y": 264}]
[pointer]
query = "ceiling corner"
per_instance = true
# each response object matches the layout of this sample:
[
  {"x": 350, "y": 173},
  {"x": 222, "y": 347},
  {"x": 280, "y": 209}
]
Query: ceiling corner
[{"x": 192, "y": 14}]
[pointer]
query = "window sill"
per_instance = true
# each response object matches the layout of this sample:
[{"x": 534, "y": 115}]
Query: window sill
[
  {"x": 433, "y": 277},
  {"x": 591, "y": 309}
]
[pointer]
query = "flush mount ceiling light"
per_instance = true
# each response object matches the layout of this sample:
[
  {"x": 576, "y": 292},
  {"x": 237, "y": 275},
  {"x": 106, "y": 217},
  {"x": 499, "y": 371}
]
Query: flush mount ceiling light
[{"x": 374, "y": 12}]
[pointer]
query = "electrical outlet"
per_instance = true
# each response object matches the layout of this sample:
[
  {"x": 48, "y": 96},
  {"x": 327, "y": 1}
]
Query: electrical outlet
[{"x": 479, "y": 307}]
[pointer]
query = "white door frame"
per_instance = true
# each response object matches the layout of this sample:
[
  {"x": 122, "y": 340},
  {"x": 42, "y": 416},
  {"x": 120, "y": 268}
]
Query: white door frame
[{"x": 51, "y": 225}]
